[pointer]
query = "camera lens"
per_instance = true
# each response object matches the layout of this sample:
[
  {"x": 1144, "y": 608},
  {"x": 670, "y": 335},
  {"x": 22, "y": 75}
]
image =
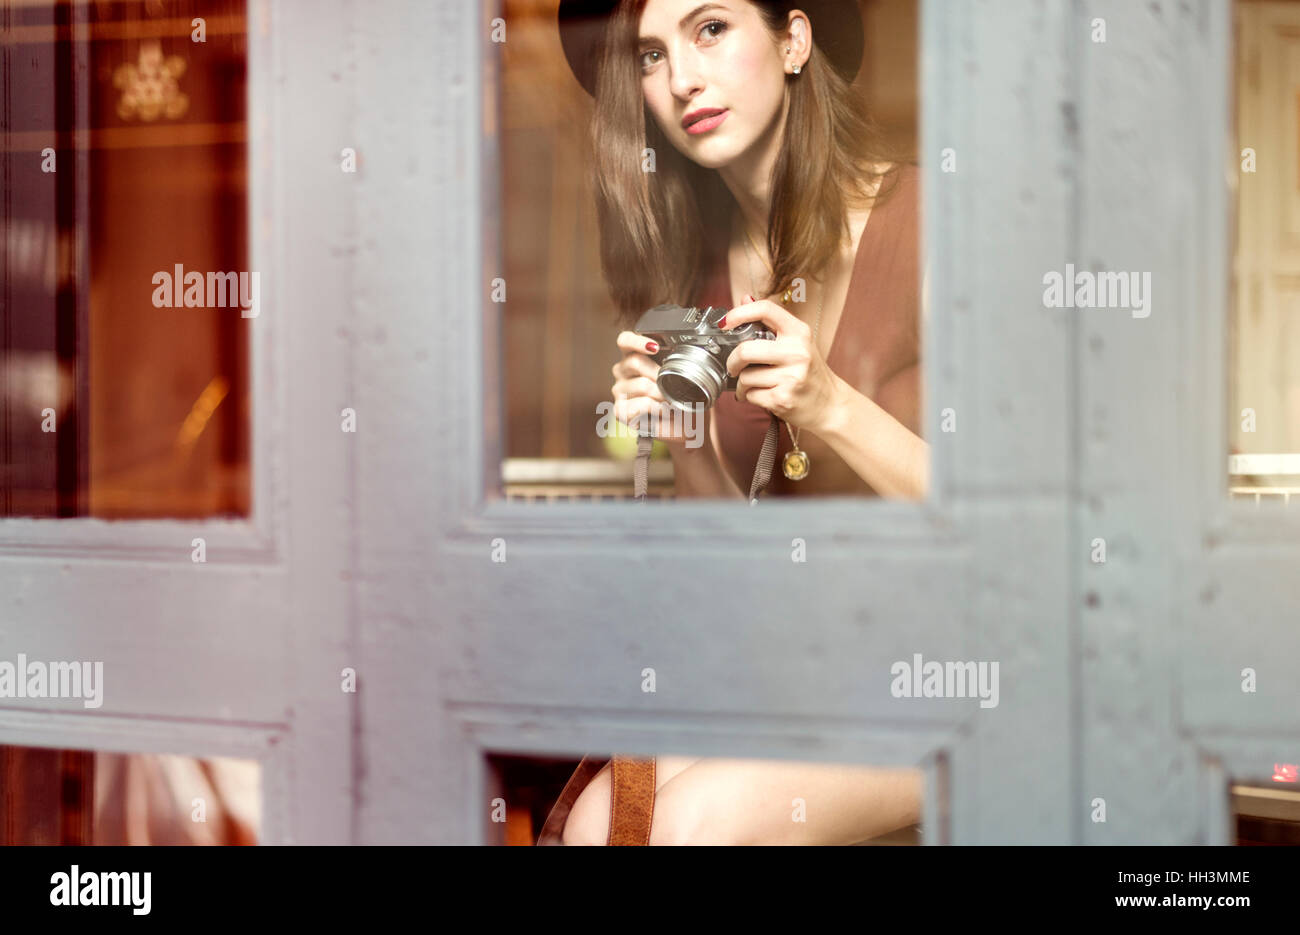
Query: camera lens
[{"x": 690, "y": 376}]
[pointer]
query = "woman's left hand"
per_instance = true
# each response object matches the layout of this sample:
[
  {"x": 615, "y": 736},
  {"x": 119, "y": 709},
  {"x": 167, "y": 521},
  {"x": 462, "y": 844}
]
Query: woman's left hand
[{"x": 790, "y": 377}]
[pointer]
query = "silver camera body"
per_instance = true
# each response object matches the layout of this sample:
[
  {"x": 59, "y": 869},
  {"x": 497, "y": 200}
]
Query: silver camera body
[{"x": 693, "y": 352}]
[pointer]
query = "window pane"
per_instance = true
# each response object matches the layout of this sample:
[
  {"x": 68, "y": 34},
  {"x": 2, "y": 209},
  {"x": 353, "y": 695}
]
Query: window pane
[
  {"x": 125, "y": 165},
  {"x": 526, "y": 791},
  {"x": 560, "y": 313},
  {"x": 1266, "y": 809},
  {"x": 88, "y": 797},
  {"x": 1264, "y": 414}
]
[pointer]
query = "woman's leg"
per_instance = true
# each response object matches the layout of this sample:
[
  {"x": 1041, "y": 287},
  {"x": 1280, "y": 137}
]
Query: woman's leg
[
  {"x": 588, "y": 822},
  {"x": 718, "y": 801}
]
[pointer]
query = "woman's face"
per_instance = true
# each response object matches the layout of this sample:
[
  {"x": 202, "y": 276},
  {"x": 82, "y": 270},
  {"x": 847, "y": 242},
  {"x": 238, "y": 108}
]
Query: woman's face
[{"x": 719, "y": 57}]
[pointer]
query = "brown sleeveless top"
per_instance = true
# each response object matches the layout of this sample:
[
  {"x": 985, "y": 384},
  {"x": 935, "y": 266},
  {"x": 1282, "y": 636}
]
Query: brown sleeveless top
[{"x": 876, "y": 339}]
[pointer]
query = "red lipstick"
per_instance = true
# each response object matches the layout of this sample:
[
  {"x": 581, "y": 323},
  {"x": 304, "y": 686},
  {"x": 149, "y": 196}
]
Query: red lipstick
[{"x": 704, "y": 119}]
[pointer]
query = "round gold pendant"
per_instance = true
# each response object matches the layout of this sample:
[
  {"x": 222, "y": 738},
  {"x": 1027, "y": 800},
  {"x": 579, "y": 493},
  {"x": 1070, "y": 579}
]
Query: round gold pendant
[{"x": 795, "y": 465}]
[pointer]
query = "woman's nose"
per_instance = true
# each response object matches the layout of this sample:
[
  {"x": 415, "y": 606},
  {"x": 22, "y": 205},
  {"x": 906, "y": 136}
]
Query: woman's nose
[{"x": 684, "y": 80}]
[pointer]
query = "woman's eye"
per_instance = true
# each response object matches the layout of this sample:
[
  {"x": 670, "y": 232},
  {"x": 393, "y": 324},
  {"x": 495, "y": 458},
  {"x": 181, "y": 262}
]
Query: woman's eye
[
  {"x": 707, "y": 30},
  {"x": 710, "y": 24}
]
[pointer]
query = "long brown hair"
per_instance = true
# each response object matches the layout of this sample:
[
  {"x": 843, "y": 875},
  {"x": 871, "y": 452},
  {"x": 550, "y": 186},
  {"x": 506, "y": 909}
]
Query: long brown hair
[{"x": 660, "y": 231}]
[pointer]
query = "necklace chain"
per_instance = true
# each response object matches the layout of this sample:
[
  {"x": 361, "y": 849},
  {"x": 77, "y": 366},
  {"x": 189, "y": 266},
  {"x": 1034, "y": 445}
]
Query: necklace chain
[{"x": 794, "y": 436}]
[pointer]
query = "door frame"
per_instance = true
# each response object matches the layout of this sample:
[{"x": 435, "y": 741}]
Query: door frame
[
  {"x": 268, "y": 621},
  {"x": 502, "y": 637}
]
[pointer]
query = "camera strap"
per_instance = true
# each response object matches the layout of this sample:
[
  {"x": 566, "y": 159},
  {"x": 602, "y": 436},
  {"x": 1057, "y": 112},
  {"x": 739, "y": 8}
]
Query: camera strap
[
  {"x": 766, "y": 458},
  {"x": 641, "y": 470},
  {"x": 762, "y": 469}
]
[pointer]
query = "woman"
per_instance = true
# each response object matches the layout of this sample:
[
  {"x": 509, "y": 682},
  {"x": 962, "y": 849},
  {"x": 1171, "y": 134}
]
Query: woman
[{"x": 735, "y": 167}]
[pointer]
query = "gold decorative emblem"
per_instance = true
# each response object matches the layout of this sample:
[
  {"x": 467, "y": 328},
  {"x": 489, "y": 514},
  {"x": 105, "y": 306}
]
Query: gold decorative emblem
[
  {"x": 796, "y": 464},
  {"x": 149, "y": 87}
]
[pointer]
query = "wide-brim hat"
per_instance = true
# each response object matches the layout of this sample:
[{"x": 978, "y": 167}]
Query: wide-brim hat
[{"x": 836, "y": 27}]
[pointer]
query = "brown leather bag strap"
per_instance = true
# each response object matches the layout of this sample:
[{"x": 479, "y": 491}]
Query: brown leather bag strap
[
  {"x": 631, "y": 805},
  {"x": 553, "y": 827},
  {"x": 632, "y": 801}
]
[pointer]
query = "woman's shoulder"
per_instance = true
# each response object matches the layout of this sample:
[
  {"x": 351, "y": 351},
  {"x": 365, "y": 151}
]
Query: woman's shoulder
[
  {"x": 900, "y": 194},
  {"x": 887, "y": 299},
  {"x": 908, "y": 172}
]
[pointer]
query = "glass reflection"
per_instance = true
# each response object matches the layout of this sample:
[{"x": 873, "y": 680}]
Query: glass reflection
[
  {"x": 124, "y": 155},
  {"x": 1264, "y": 395},
  {"x": 59, "y": 797},
  {"x": 561, "y": 307}
]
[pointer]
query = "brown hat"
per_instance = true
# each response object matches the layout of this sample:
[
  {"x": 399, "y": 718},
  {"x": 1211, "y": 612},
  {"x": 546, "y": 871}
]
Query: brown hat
[{"x": 837, "y": 32}]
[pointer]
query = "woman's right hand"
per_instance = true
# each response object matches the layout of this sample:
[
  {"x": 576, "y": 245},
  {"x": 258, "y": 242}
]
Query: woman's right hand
[{"x": 637, "y": 395}]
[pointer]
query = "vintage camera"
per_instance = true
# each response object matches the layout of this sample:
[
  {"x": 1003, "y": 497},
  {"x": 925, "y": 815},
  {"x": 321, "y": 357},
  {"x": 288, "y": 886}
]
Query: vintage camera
[{"x": 693, "y": 352}]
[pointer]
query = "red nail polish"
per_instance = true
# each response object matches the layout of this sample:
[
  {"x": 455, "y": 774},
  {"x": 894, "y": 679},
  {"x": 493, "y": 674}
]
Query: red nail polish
[
  {"x": 651, "y": 346},
  {"x": 722, "y": 322}
]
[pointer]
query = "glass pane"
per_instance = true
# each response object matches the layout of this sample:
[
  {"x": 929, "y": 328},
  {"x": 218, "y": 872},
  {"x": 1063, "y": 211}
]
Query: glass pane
[
  {"x": 124, "y": 385},
  {"x": 1266, "y": 804},
  {"x": 578, "y": 182},
  {"x": 1264, "y": 413},
  {"x": 88, "y": 797},
  {"x": 776, "y": 801}
]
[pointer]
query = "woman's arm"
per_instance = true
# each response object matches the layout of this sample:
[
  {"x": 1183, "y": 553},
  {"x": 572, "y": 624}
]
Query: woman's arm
[
  {"x": 877, "y": 446},
  {"x": 797, "y": 385}
]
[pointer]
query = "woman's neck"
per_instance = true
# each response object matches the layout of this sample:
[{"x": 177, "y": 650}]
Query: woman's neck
[
  {"x": 752, "y": 213},
  {"x": 749, "y": 179},
  {"x": 749, "y": 221}
]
